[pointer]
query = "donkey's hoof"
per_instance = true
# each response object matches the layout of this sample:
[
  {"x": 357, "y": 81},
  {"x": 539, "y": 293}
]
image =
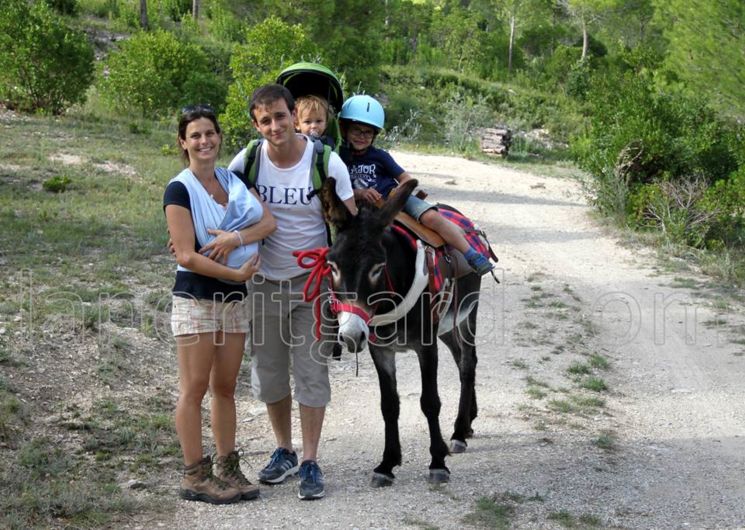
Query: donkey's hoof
[
  {"x": 380, "y": 480},
  {"x": 456, "y": 446},
  {"x": 438, "y": 476}
]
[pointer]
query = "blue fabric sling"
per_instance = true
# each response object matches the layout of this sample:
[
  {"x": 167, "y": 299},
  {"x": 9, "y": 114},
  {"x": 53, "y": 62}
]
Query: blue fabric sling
[{"x": 243, "y": 209}]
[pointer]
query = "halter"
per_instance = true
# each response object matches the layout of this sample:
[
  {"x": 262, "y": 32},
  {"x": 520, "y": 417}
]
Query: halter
[{"x": 315, "y": 259}]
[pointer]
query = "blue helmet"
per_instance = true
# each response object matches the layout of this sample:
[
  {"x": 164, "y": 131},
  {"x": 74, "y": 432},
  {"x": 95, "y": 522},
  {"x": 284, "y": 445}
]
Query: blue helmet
[{"x": 363, "y": 109}]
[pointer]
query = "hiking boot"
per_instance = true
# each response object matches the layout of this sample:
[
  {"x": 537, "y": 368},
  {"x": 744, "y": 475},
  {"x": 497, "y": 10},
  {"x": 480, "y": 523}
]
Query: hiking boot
[
  {"x": 199, "y": 484},
  {"x": 282, "y": 464},
  {"x": 228, "y": 469},
  {"x": 478, "y": 262},
  {"x": 311, "y": 481}
]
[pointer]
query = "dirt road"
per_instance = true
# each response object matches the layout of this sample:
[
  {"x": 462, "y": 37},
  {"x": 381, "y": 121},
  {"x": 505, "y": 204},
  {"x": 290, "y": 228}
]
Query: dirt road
[{"x": 610, "y": 393}]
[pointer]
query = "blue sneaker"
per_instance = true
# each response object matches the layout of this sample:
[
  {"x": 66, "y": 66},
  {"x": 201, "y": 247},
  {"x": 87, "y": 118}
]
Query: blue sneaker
[
  {"x": 282, "y": 465},
  {"x": 478, "y": 262},
  {"x": 311, "y": 481}
]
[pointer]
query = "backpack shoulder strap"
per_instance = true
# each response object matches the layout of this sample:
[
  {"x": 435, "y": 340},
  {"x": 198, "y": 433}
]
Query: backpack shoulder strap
[
  {"x": 252, "y": 162},
  {"x": 319, "y": 167}
]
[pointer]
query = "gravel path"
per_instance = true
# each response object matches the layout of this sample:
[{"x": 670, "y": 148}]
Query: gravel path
[{"x": 661, "y": 447}]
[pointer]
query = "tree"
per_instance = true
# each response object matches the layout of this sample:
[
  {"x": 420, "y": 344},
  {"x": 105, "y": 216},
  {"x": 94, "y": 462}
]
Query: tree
[
  {"x": 586, "y": 13},
  {"x": 518, "y": 10},
  {"x": 45, "y": 65},
  {"x": 155, "y": 73},
  {"x": 630, "y": 25},
  {"x": 347, "y": 32},
  {"x": 144, "y": 23},
  {"x": 270, "y": 46},
  {"x": 195, "y": 5},
  {"x": 405, "y": 27},
  {"x": 706, "y": 49}
]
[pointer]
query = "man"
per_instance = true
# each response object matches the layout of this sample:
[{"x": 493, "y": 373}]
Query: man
[{"x": 282, "y": 334}]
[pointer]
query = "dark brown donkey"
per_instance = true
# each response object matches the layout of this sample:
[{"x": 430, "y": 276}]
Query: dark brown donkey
[{"x": 381, "y": 301}]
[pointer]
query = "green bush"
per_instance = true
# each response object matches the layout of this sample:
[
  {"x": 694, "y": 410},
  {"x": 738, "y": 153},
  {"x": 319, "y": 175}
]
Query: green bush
[
  {"x": 425, "y": 95},
  {"x": 223, "y": 24},
  {"x": 726, "y": 200},
  {"x": 676, "y": 209},
  {"x": 45, "y": 65},
  {"x": 57, "y": 184},
  {"x": 639, "y": 135},
  {"x": 464, "y": 116},
  {"x": 64, "y": 7},
  {"x": 270, "y": 47},
  {"x": 156, "y": 73},
  {"x": 578, "y": 80},
  {"x": 559, "y": 66}
]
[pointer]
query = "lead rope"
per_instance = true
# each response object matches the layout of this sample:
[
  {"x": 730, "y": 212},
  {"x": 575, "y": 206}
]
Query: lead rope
[{"x": 315, "y": 259}]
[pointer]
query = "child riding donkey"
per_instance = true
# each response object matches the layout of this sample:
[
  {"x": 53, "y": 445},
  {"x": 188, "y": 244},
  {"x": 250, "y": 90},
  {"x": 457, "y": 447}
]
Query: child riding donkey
[{"x": 376, "y": 175}]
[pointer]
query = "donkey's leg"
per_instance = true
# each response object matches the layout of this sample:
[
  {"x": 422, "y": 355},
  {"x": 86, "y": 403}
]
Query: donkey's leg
[
  {"x": 461, "y": 343},
  {"x": 469, "y": 339},
  {"x": 385, "y": 364},
  {"x": 430, "y": 403}
]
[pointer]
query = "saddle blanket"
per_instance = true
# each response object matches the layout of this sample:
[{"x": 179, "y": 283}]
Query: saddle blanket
[{"x": 474, "y": 235}]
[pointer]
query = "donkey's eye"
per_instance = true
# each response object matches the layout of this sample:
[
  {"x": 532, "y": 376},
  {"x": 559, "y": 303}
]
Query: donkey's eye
[
  {"x": 335, "y": 274},
  {"x": 375, "y": 272}
]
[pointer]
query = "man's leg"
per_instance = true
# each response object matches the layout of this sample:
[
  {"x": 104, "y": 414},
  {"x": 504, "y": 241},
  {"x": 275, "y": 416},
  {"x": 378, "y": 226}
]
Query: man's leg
[
  {"x": 310, "y": 371},
  {"x": 311, "y": 423},
  {"x": 270, "y": 363},
  {"x": 270, "y": 376},
  {"x": 312, "y": 392},
  {"x": 280, "y": 416}
]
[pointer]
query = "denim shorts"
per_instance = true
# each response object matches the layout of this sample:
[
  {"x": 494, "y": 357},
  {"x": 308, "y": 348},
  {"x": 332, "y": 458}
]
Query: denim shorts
[{"x": 416, "y": 207}]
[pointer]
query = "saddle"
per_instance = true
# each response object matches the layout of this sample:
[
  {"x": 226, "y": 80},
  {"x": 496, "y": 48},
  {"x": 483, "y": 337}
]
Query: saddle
[{"x": 444, "y": 263}]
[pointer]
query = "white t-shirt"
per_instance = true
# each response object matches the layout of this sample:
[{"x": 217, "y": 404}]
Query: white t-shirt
[{"x": 300, "y": 224}]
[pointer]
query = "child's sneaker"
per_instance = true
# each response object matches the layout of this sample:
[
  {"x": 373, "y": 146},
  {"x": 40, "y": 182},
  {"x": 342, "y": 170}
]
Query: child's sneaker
[
  {"x": 228, "y": 469},
  {"x": 478, "y": 262},
  {"x": 199, "y": 484},
  {"x": 282, "y": 464},
  {"x": 311, "y": 481}
]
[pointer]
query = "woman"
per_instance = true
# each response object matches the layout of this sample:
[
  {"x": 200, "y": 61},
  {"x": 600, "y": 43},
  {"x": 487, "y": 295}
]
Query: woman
[{"x": 215, "y": 222}]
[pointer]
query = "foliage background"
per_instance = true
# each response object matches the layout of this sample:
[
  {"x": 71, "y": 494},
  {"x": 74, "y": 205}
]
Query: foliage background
[
  {"x": 644, "y": 95},
  {"x": 643, "y": 99}
]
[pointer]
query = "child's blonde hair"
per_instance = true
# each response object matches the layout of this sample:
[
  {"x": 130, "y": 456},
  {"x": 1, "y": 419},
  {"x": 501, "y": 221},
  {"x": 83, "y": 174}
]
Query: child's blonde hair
[{"x": 313, "y": 104}]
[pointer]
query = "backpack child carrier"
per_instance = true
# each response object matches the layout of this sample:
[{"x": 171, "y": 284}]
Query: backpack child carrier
[
  {"x": 319, "y": 167},
  {"x": 304, "y": 79}
]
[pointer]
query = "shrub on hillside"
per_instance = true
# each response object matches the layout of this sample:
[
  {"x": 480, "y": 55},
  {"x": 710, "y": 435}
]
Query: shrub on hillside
[
  {"x": 64, "y": 7},
  {"x": 270, "y": 47},
  {"x": 726, "y": 200},
  {"x": 640, "y": 135},
  {"x": 156, "y": 73},
  {"x": 45, "y": 65}
]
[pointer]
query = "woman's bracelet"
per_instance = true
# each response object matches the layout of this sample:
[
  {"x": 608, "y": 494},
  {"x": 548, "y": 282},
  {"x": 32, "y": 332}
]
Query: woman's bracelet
[{"x": 240, "y": 239}]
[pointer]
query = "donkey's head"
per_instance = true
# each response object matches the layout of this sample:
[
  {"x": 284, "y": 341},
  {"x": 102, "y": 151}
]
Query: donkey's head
[{"x": 358, "y": 260}]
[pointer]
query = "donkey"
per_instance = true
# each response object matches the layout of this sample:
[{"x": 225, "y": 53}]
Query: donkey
[{"x": 378, "y": 293}]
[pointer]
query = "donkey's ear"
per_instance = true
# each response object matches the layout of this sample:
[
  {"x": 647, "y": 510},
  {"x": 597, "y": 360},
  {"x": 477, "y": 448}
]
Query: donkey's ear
[
  {"x": 396, "y": 201},
  {"x": 334, "y": 210}
]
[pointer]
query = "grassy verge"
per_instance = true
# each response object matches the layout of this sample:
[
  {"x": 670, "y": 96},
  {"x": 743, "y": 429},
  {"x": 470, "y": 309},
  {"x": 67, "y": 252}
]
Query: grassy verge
[{"x": 83, "y": 233}]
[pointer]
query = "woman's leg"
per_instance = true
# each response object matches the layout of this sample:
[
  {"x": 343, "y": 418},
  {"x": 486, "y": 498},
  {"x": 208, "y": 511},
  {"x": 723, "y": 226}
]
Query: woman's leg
[
  {"x": 223, "y": 381},
  {"x": 195, "y": 356}
]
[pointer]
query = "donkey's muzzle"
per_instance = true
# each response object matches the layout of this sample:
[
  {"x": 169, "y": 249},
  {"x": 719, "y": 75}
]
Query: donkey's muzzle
[
  {"x": 354, "y": 344},
  {"x": 353, "y": 332}
]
